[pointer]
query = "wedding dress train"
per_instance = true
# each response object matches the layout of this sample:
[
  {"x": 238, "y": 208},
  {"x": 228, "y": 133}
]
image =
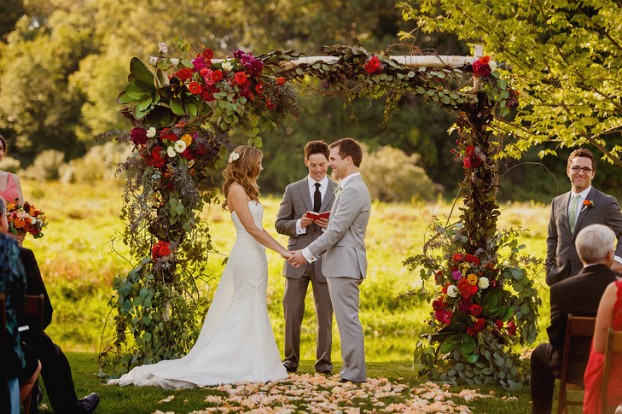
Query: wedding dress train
[{"x": 236, "y": 343}]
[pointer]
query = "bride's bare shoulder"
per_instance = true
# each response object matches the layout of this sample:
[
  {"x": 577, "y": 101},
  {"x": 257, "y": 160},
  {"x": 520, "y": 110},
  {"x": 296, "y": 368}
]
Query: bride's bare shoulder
[{"x": 236, "y": 197}]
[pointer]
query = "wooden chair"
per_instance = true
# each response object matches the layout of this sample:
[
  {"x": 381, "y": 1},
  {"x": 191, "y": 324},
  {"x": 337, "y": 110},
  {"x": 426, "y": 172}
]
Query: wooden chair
[
  {"x": 4, "y": 389},
  {"x": 614, "y": 346},
  {"x": 577, "y": 326},
  {"x": 32, "y": 312}
]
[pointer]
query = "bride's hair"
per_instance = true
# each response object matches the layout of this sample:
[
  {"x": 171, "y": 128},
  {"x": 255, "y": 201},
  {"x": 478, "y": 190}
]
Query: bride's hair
[{"x": 243, "y": 168}]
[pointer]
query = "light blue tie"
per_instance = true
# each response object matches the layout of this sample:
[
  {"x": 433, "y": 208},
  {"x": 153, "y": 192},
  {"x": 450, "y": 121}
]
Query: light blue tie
[{"x": 572, "y": 211}]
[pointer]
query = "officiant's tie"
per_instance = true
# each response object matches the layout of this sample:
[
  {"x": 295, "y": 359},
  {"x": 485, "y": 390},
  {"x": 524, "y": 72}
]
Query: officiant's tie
[
  {"x": 572, "y": 211},
  {"x": 317, "y": 198}
]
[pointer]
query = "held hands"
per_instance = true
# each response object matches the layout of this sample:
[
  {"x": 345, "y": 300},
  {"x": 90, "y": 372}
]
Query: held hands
[
  {"x": 297, "y": 259},
  {"x": 285, "y": 254}
]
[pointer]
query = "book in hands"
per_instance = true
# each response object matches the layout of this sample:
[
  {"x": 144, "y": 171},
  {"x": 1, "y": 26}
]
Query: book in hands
[{"x": 317, "y": 216}]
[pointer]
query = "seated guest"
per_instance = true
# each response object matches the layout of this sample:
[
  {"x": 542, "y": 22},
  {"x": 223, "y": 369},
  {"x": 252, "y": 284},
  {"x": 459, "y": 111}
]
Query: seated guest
[
  {"x": 13, "y": 285},
  {"x": 55, "y": 370},
  {"x": 609, "y": 316},
  {"x": 578, "y": 295}
]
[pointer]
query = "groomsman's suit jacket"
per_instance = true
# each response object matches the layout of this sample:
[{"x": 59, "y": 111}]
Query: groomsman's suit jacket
[
  {"x": 562, "y": 259},
  {"x": 296, "y": 202},
  {"x": 578, "y": 295}
]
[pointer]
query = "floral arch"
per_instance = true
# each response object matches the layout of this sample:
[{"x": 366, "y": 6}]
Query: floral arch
[{"x": 183, "y": 111}]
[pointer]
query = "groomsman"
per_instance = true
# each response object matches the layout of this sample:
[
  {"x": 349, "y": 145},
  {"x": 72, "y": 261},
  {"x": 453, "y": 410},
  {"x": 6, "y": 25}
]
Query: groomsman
[
  {"x": 575, "y": 210},
  {"x": 342, "y": 247},
  {"x": 312, "y": 193}
]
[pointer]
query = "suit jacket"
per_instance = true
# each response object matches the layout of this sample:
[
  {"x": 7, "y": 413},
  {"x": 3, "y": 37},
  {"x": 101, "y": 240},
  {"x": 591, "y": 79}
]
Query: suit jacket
[
  {"x": 560, "y": 242},
  {"x": 35, "y": 283},
  {"x": 578, "y": 295},
  {"x": 296, "y": 202},
  {"x": 342, "y": 245}
]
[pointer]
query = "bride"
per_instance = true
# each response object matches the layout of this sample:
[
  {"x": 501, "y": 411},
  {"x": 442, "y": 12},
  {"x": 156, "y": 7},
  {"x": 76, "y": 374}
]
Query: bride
[{"x": 236, "y": 343}]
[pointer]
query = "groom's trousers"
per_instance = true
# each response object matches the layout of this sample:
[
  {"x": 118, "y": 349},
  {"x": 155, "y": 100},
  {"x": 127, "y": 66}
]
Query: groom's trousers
[{"x": 345, "y": 296}]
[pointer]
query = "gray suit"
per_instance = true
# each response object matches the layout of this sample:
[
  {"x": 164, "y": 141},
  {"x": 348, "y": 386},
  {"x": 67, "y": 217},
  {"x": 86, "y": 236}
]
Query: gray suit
[
  {"x": 562, "y": 259},
  {"x": 342, "y": 247},
  {"x": 296, "y": 202}
]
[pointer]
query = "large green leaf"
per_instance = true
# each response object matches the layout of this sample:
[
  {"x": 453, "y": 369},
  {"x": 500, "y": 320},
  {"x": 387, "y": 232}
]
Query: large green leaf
[
  {"x": 450, "y": 344},
  {"x": 177, "y": 106},
  {"x": 140, "y": 72}
]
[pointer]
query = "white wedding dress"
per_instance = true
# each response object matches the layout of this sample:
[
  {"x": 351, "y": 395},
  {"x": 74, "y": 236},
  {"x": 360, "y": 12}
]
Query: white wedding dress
[{"x": 236, "y": 343}]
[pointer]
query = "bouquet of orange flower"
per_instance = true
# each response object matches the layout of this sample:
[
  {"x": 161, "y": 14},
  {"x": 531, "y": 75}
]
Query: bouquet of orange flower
[{"x": 26, "y": 218}]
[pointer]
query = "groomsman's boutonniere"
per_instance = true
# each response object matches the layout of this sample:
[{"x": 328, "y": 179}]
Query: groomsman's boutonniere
[
  {"x": 337, "y": 189},
  {"x": 586, "y": 204}
]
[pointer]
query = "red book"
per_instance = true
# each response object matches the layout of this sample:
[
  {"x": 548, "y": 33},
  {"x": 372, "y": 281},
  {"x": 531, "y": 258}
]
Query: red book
[{"x": 316, "y": 216}]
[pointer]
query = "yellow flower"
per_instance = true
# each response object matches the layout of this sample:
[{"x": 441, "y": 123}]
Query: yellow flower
[
  {"x": 187, "y": 139},
  {"x": 472, "y": 279}
]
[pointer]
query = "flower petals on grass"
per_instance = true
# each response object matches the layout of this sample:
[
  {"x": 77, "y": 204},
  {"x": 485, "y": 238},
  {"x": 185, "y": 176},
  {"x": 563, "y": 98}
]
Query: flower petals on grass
[{"x": 320, "y": 394}]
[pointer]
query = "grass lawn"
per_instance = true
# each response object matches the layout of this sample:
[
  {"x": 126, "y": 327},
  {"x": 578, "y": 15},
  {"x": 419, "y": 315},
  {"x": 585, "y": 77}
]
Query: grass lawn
[{"x": 82, "y": 252}]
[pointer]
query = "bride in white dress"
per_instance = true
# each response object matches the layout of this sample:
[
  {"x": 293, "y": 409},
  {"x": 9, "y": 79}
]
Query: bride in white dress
[{"x": 236, "y": 343}]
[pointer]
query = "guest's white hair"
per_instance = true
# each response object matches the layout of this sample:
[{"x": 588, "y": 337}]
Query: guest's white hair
[{"x": 594, "y": 243}]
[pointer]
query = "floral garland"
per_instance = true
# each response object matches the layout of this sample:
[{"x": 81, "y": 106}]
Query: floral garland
[
  {"x": 182, "y": 115},
  {"x": 484, "y": 299}
]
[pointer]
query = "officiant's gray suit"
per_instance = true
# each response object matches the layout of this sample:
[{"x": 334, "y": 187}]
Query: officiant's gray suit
[
  {"x": 295, "y": 203},
  {"x": 562, "y": 259},
  {"x": 344, "y": 263}
]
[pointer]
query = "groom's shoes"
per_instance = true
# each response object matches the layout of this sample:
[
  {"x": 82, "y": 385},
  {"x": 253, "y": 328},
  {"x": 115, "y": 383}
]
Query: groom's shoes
[
  {"x": 325, "y": 372},
  {"x": 88, "y": 404}
]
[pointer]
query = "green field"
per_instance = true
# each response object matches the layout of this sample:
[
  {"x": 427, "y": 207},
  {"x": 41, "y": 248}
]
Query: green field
[{"x": 82, "y": 251}]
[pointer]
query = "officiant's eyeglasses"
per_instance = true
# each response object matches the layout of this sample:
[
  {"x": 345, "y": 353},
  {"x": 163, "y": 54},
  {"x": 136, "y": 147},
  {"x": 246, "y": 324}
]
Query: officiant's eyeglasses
[{"x": 586, "y": 170}]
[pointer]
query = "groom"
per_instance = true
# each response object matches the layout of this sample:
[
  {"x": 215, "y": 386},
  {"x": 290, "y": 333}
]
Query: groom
[{"x": 342, "y": 248}]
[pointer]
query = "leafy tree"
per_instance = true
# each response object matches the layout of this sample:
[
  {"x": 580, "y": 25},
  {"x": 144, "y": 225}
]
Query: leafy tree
[{"x": 565, "y": 57}]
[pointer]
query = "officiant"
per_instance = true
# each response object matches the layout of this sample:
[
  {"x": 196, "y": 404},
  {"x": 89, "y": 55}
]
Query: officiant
[{"x": 314, "y": 193}]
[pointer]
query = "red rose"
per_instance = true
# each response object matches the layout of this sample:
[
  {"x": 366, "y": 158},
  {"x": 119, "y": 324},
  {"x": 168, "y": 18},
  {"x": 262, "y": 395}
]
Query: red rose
[
  {"x": 499, "y": 323},
  {"x": 481, "y": 66},
  {"x": 480, "y": 324},
  {"x": 138, "y": 136},
  {"x": 470, "y": 150},
  {"x": 475, "y": 309},
  {"x": 373, "y": 65},
  {"x": 183, "y": 74},
  {"x": 280, "y": 80},
  {"x": 217, "y": 75},
  {"x": 240, "y": 78},
  {"x": 160, "y": 249},
  {"x": 457, "y": 257},
  {"x": 156, "y": 159},
  {"x": 208, "y": 54},
  {"x": 472, "y": 259},
  {"x": 438, "y": 304},
  {"x": 194, "y": 88}
]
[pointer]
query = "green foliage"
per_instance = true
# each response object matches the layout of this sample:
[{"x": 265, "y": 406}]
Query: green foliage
[
  {"x": 391, "y": 175},
  {"x": 563, "y": 57}
]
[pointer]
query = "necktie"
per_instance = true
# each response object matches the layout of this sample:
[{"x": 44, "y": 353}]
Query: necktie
[
  {"x": 572, "y": 211},
  {"x": 317, "y": 198}
]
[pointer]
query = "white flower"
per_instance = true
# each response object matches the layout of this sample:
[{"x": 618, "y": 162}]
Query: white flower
[
  {"x": 452, "y": 291},
  {"x": 483, "y": 282},
  {"x": 180, "y": 146},
  {"x": 151, "y": 132},
  {"x": 226, "y": 65},
  {"x": 171, "y": 152},
  {"x": 234, "y": 157},
  {"x": 33, "y": 220},
  {"x": 493, "y": 65}
]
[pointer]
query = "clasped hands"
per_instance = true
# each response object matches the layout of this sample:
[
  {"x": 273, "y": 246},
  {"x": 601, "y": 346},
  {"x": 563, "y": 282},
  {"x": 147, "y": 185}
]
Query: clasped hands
[{"x": 297, "y": 259}]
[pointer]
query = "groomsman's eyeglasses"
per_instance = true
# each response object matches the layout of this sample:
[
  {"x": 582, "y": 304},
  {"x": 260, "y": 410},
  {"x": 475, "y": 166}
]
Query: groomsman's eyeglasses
[{"x": 586, "y": 170}]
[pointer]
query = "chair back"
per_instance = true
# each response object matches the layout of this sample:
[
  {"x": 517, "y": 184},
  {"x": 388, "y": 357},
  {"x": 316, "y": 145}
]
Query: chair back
[
  {"x": 614, "y": 346},
  {"x": 577, "y": 326},
  {"x": 32, "y": 314},
  {"x": 4, "y": 388}
]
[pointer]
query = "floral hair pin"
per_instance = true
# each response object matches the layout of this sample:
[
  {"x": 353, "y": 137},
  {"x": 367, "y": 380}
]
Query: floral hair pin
[
  {"x": 234, "y": 156},
  {"x": 586, "y": 204}
]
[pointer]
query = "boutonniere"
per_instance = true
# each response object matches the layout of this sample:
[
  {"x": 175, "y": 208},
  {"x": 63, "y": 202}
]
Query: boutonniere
[
  {"x": 586, "y": 204},
  {"x": 337, "y": 190}
]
